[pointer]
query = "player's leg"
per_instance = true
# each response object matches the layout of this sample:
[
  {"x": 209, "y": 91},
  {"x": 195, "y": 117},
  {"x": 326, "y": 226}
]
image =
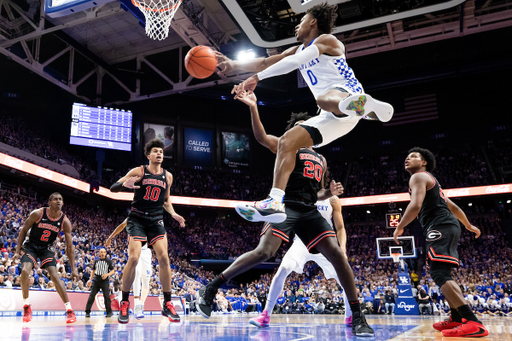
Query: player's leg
[
  {"x": 134, "y": 247},
  {"x": 329, "y": 247},
  {"x": 27, "y": 265},
  {"x": 330, "y": 101},
  {"x": 294, "y": 260},
  {"x": 271, "y": 209},
  {"x": 61, "y": 290},
  {"x": 343, "y": 103},
  {"x": 137, "y": 287},
  {"x": 146, "y": 275},
  {"x": 443, "y": 256},
  {"x": 330, "y": 272},
  {"x": 267, "y": 247},
  {"x": 159, "y": 244}
]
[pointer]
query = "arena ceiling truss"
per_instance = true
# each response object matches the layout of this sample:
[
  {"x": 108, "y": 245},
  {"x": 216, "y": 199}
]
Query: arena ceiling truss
[{"x": 103, "y": 56}]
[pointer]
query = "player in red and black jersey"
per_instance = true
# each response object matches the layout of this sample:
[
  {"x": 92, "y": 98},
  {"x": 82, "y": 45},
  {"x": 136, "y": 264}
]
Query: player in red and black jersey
[
  {"x": 45, "y": 224},
  {"x": 439, "y": 217},
  {"x": 304, "y": 188},
  {"x": 145, "y": 223}
]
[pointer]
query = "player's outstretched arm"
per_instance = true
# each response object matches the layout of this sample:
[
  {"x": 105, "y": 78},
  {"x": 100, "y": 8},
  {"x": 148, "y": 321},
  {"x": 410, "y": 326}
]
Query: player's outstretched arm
[
  {"x": 70, "y": 248},
  {"x": 128, "y": 181},
  {"x": 339, "y": 224},
  {"x": 459, "y": 214},
  {"x": 118, "y": 230},
  {"x": 418, "y": 185},
  {"x": 227, "y": 65},
  {"x": 168, "y": 203},
  {"x": 324, "y": 44},
  {"x": 32, "y": 218},
  {"x": 266, "y": 140}
]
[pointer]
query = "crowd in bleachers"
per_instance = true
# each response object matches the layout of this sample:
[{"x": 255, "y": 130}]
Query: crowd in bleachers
[
  {"x": 15, "y": 132},
  {"x": 485, "y": 262},
  {"x": 457, "y": 167}
]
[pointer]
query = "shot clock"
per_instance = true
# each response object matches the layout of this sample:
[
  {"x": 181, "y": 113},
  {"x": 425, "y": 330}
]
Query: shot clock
[{"x": 392, "y": 220}]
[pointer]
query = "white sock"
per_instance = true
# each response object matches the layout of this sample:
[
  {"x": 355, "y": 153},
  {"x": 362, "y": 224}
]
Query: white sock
[
  {"x": 25, "y": 301},
  {"x": 277, "y": 194},
  {"x": 136, "y": 301},
  {"x": 68, "y": 306}
]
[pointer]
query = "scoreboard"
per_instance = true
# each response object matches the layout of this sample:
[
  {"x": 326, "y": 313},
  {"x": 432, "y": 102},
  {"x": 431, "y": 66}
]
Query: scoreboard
[{"x": 101, "y": 127}]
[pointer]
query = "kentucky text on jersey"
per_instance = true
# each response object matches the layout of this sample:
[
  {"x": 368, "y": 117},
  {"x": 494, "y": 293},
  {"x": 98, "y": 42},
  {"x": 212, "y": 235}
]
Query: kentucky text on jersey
[
  {"x": 160, "y": 183},
  {"x": 48, "y": 227},
  {"x": 310, "y": 64},
  {"x": 322, "y": 207},
  {"x": 303, "y": 156}
]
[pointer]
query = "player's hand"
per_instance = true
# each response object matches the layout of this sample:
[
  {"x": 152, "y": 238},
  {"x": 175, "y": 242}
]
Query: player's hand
[
  {"x": 475, "y": 230},
  {"x": 16, "y": 255},
  {"x": 248, "y": 97},
  {"x": 398, "y": 232},
  {"x": 225, "y": 64},
  {"x": 179, "y": 219},
  {"x": 248, "y": 84},
  {"x": 336, "y": 188},
  {"x": 130, "y": 183},
  {"x": 108, "y": 242},
  {"x": 74, "y": 275}
]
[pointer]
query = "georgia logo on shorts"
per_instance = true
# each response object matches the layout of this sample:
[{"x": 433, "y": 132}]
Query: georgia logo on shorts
[
  {"x": 434, "y": 235},
  {"x": 161, "y": 222}
]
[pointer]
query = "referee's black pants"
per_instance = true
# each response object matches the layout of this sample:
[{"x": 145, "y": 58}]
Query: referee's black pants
[{"x": 97, "y": 284}]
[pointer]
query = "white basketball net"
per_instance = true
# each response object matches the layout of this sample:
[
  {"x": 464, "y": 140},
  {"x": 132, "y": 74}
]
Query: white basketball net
[
  {"x": 158, "y": 14},
  {"x": 396, "y": 257}
]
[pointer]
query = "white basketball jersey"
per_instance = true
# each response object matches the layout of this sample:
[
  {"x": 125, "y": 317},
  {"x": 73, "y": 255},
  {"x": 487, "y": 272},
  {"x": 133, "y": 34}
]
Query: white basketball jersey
[
  {"x": 323, "y": 73},
  {"x": 325, "y": 209}
]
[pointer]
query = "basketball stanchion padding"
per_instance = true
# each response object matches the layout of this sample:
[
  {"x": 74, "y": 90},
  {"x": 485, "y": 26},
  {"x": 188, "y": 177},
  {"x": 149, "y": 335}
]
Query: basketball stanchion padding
[{"x": 158, "y": 14}]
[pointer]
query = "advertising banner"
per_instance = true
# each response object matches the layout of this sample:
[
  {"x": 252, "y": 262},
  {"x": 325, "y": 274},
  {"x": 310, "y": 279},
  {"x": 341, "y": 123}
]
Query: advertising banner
[
  {"x": 235, "y": 150},
  {"x": 198, "y": 147},
  {"x": 164, "y": 133}
]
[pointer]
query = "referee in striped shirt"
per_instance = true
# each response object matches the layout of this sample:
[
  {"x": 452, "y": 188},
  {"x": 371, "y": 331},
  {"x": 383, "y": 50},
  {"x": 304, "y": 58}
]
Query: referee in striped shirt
[{"x": 102, "y": 269}]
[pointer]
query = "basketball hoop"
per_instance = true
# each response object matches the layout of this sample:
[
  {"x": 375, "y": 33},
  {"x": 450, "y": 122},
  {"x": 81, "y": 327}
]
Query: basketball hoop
[
  {"x": 396, "y": 257},
  {"x": 158, "y": 14}
]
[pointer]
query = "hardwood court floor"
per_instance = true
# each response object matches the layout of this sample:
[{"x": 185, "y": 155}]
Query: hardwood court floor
[{"x": 234, "y": 327}]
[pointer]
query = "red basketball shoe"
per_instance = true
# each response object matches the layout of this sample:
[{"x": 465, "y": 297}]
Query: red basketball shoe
[
  {"x": 70, "y": 316},
  {"x": 447, "y": 324},
  {"x": 467, "y": 329},
  {"x": 27, "y": 313}
]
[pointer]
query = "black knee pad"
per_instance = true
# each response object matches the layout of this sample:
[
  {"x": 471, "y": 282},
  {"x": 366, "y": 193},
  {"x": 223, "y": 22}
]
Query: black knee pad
[{"x": 441, "y": 272}]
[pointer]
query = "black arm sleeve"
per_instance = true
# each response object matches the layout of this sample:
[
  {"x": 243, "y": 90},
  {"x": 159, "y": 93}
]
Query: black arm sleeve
[
  {"x": 116, "y": 187},
  {"x": 110, "y": 265}
]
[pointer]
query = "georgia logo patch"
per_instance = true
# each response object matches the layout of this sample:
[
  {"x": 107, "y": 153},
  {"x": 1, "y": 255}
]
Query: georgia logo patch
[{"x": 434, "y": 235}]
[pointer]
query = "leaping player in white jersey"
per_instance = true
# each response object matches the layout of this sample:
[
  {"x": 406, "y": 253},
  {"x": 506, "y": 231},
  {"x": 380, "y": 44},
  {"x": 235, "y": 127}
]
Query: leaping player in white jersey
[
  {"x": 341, "y": 98},
  {"x": 142, "y": 273},
  {"x": 298, "y": 255}
]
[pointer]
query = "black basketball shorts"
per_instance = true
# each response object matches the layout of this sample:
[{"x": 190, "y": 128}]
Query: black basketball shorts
[
  {"x": 442, "y": 241},
  {"x": 145, "y": 229},
  {"x": 308, "y": 224},
  {"x": 45, "y": 253}
]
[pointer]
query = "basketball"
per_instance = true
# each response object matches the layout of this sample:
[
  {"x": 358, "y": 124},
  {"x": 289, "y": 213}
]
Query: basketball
[{"x": 200, "y": 62}]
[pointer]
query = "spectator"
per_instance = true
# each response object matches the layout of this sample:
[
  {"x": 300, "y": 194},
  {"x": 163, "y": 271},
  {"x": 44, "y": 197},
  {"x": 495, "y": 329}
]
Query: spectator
[
  {"x": 390, "y": 302},
  {"x": 423, "y": 300}
]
